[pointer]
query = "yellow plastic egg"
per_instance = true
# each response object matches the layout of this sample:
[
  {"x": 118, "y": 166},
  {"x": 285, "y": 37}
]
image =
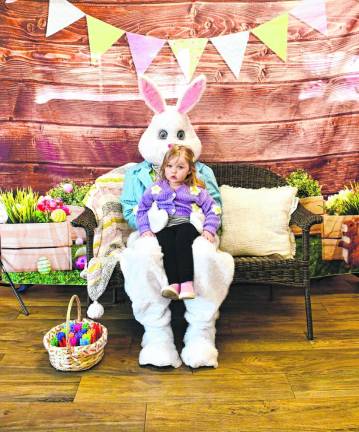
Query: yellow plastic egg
[
  {"x": 43, "y": 265},
  {"x": 58, "y": 215}
]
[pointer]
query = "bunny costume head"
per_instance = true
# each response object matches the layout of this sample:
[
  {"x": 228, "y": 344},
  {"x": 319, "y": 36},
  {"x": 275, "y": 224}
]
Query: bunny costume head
[{"x": 170, "y": 125}]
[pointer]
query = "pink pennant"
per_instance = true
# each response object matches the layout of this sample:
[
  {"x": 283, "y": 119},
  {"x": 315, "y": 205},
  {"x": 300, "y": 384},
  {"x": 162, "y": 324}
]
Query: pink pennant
[
  {"x": 312, "y": 12},
  {"x": 143, "y": 49}
]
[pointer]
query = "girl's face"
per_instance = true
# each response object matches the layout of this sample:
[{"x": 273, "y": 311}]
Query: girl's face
[{"x": 176, "y": 170}]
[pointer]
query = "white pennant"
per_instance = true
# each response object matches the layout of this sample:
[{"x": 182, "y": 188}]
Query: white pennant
[
  {"x": 61, "y": 14},
  {"x": 232, "y": 48}
]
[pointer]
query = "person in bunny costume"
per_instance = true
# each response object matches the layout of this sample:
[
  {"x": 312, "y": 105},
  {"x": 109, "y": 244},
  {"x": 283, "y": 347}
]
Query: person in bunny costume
[{"x": 141, "y": 262}]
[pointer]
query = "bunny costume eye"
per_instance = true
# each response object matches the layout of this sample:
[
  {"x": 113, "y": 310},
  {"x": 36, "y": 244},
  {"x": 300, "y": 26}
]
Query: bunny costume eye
[
  {"x": 162, "y": 134},
  {"x": 181, "y": 134}
]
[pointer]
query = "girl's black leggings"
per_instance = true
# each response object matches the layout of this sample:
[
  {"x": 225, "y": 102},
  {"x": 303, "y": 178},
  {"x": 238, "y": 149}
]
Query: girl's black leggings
[{"x": 176, "y": 243}]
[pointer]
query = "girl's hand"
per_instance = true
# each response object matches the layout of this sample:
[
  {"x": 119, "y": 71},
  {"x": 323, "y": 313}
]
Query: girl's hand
[
  {"x": 209, "y": 236},
  {"x": 147, "y": 234}
]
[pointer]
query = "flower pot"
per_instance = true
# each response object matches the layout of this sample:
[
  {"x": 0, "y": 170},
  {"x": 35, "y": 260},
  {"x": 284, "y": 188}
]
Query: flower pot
[
  {"x": 314, "y": 204},
  {"x": 21, "y": 245},
  {"x": 340, "y": 238}
]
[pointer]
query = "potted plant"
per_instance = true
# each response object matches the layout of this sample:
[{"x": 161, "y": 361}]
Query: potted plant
[
  {"x": 310, "y": 195},
  {"x": 34, "y": 232},
  {"x": 340, "y": 233}
]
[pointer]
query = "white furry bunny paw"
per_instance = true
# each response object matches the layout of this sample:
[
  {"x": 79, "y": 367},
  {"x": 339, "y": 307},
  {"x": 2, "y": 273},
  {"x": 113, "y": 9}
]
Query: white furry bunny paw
[{"x": 158, "y": 218}]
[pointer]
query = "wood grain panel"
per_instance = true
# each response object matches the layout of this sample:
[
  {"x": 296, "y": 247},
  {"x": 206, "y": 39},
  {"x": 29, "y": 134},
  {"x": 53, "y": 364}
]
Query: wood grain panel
[
  {"x": 332, "y": 171},
  {"x": 258, "y": 103},
  {"x": 151, "y": 388},
  {"x": 172, "y": 20},
  {"x": 49, "y": 143},
  {"x": 255, "y": 416},
  {"x": 68, "y": 63}
]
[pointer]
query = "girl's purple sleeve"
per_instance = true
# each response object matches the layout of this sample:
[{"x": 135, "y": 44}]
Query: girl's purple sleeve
[{"x": 212, "y": 220}]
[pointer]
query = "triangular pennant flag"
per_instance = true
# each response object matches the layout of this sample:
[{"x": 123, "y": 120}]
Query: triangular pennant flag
[
  {"x": 188, "y": 52},
  {"x": 61, "y": 14},
  {"x": 232, "y": 48},
  {"x": 143, "y": 49},
  {"x": 101, "y": 37},
  {"x": 312, "y": 12},
  {"x": 273, "y": 33}
]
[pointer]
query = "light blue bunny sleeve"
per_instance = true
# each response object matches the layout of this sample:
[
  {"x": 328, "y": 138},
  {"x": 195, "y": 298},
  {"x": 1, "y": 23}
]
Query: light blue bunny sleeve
[
  {"x": 130, "y": 198},
  {"x": 206, "y": 174}
]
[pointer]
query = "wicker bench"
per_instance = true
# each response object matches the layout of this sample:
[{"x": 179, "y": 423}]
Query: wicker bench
[{"x": 258, "y": 270}]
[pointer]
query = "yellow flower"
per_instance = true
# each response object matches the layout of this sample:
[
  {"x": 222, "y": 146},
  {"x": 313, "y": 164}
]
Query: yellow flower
[
  {"x": 156, "y": 189},
  {"x": 134, "y": 210},
  {"x": 216, "y": 209},
  {"x": 195, "y": 208},
  {"x": 195, "y": 190}
]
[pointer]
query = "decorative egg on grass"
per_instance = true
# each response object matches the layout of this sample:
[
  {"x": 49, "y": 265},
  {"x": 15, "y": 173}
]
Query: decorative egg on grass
[
  {"x": 67, "y": 187},
  {"x": 80, "y": 251},
  {"x": 43, "y": 265},
  {"x": 58, "y": 215},
  {"x": 79, "y": 241},
  {"x": 81, "y": 262}
]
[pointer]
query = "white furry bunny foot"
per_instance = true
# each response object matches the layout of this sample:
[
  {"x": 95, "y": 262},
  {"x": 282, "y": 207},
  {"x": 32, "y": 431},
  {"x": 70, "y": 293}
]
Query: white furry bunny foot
[
  {"x": 160, "y": 354},
  {"x": 200, "y": 352}
]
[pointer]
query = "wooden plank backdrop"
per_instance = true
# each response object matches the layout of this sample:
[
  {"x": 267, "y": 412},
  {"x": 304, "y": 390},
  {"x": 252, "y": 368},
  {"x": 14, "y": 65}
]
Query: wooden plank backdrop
[{"x": 61, "y": 118}]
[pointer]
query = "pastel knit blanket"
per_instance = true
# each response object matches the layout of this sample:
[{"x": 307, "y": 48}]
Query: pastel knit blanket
[{"x": 111, "y": 232}]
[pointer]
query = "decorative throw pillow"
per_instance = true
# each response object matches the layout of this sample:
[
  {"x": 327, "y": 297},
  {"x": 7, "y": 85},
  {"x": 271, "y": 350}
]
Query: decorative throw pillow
[{"x": 255, "y": 222}]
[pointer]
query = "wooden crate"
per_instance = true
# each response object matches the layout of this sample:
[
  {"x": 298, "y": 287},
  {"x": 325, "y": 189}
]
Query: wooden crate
[
  {"x": 316, "y": 206},
  {"x": 21, "y": 245},
  {"x": 332, "y": 236}
]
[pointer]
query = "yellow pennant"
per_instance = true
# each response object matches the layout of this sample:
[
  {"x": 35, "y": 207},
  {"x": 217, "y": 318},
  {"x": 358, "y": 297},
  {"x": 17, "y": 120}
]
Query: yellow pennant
[
  {"x": 101, "y": 37},
  {"x": 188, "y": 52},
  {"x": 274, "y": 34}
]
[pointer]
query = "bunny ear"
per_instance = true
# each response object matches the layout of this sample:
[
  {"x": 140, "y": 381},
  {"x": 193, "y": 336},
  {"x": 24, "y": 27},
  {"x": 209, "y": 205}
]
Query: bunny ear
[
  {"x": 191, "y": 95},
  {"x": 151, "y": 95}
]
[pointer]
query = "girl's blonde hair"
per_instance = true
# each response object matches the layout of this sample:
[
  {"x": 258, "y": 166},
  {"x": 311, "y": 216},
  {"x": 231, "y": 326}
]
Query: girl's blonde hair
[{"x": 177, "y": 151}]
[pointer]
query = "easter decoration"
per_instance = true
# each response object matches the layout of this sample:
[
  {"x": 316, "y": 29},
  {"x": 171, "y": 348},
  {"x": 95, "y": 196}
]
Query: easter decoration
[
  {"x": 43, "y": 265},
  {"x": 141, "y": 262},
  {"x": 75, "y": 345}
]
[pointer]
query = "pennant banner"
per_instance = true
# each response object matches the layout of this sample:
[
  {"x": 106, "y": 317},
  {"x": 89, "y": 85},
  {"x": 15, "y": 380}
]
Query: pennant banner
[
  {"x": 232, "y": 48},
  {"x": 143, "y": 49},
  {"x": 188, "y": 52},
  {"x": 274, "y": 34},
  {"x": 101, "y": 37},
  {"x": 61, "y": 14},
  {"x": 312, "y": 13}
]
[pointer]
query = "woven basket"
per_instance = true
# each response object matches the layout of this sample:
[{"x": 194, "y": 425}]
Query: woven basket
[{"x": 74, "y": 358}]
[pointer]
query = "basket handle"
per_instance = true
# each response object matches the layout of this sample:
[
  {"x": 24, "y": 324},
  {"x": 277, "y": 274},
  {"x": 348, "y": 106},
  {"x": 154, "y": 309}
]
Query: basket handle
[{"x": 69, "y": 307}]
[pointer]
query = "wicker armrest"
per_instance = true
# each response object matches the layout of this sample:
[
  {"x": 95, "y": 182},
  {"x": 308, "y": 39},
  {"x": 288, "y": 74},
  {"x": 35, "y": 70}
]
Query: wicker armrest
[
  {"x": 85, "y": 220},
  {"x": 304, "y": 218}
]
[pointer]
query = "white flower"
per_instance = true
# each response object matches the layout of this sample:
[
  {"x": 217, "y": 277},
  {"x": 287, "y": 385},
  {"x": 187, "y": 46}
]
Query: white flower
[
  {"x": 135, "y": 209},
  {"x": 216, "y": 209},
  {"x": 345, "y": 193},
  {"x": 3, "y": 214},
  {"x": 195, "y": 190},
  {"x": 331, "y": 201},
  {"x": 156, "y": 189}
]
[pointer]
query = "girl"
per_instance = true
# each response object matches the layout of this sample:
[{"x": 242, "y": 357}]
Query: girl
[{"x": 178, "y": 192}]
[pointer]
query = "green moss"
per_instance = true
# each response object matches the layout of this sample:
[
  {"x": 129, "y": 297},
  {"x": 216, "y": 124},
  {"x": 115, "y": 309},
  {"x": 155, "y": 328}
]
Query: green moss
[{"x": 52, "y": 278}]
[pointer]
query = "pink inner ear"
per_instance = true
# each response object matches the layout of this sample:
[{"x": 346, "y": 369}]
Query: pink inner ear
[
  {"x": 191, "y": 97},
  {"x": 152, "y": 96}
]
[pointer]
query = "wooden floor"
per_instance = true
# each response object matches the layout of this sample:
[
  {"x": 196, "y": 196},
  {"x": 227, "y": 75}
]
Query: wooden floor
[{"x": 270, "y": 378}]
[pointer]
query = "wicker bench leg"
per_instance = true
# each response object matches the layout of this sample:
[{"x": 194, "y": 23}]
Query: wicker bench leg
[{"x": 308, "y": 310}]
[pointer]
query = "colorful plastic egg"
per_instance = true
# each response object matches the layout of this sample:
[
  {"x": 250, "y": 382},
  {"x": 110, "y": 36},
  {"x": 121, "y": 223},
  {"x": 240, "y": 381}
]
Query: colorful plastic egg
[
  {"x": 67, "y": 187},
  {"x": 58, "y": 215},
  {"x": 43, "y": 265},
  {"x": 80, "y": 252},
  {"x": 80, "y": 262}
]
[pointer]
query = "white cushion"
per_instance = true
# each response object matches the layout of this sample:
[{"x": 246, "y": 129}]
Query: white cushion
[{"x": 255, "y": 222}]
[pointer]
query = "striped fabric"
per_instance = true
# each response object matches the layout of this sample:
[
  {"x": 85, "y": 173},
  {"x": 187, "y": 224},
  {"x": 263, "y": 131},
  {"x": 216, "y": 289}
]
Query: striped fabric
[{"x": 112, "y": 230}]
